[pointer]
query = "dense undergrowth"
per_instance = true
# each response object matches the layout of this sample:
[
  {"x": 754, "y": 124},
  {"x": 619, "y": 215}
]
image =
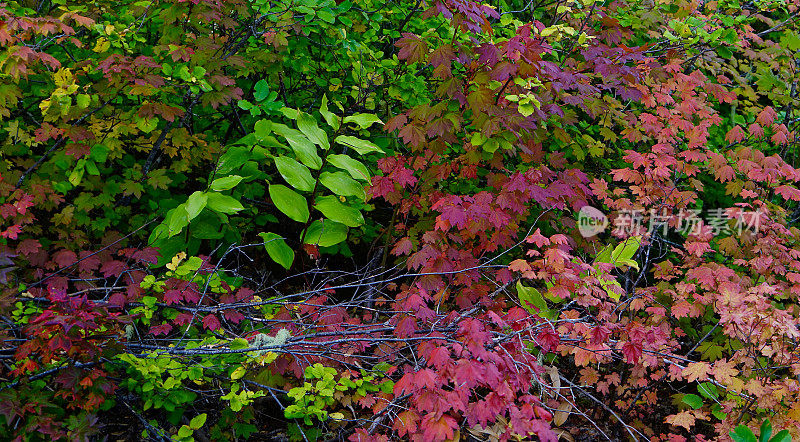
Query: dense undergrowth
[{"x": 422, "y": 220}]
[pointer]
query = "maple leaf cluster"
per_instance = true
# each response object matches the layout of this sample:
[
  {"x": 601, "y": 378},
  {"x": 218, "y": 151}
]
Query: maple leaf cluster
[{"x": 450, "y": 290}]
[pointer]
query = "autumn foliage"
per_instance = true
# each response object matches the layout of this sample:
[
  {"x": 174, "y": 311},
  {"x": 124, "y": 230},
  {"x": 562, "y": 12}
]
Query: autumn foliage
[{"x": 366, "y": 220}]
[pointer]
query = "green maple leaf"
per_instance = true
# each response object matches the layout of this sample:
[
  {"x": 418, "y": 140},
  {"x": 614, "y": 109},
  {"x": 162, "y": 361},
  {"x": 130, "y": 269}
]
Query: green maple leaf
[{"x": 158, "y": 179}]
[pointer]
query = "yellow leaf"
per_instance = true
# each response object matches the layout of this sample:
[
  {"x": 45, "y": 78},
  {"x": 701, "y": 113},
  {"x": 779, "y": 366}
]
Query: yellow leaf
[
  {"x": 238, "y": 373},
  {"x": 548, "y": 31},
  {"x": 176, "y": 260},
  {"x": 45, "y": 105},
  {"x": 63, "y": 78},
  {"x": 102, "y": 45},
  {"x": 268, "y": 358}
]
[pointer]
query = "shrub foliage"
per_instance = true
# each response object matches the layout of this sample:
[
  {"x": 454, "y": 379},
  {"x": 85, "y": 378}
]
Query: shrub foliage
[{"x": 367, "y": 220}]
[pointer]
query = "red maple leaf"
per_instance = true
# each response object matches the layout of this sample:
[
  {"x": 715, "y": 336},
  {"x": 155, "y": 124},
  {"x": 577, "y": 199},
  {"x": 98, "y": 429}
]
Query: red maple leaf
[
  {"x": 88, "y": 261},
  {"x": 439, "y": 357},
  {"x": 233, "y": 315},
  {"x": 406, "y": 422},
  {"x": 403, "y": 247},
  {"x": 412, "y": 48},
  {"x": 395, "y": 123},
  {"x": 425, "y": 378},
  {"x": 735, "y": 135},
  {"x": 405, "y": 327},
  {"x": 548, "y": 339},
  {"x": 244, "y": 294},
  {"x": 632, "y": 352},
  {"x": 117, "y": 300},
  {"x": 599, "y": 334},
  {"x": 65, "y": 258},
  {"x": 162, "y": 329},
  {"x": 112, "y": 268},
  {"x": 211, "y": 322},
  {"x": 28, "y": 247},
  {"x": 405, "y": 385},
  {"x": 766, "y": 116},
  {"x": 438, "y": 429},
  {"x": 183, "y": 318},
  {"x": 173, "y": 296},
  {"x": 412, "y": 134},
  {"x": 468, "y": 373}
]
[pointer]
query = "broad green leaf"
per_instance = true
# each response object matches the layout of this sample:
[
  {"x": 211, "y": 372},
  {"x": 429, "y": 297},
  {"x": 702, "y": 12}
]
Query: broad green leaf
[
  {"x": 183, "y": 73},
  {"x": 331, "y": 118},
  {"x": 304, "y": 149},
  {"x": 223, "y": 203},
  {"x": 527, "y": 108},
  {"x": 176, "y": 220},
  {"x": 146, "y": 125},
  {"x": 99, "y": 153},
  {"x": 332, "y": 208},
  {"x": 782, "y": 436},
  {"x": 765, "y": 432},
  {"x": 743, "y": 434},
  {"x": 278, "y": 250},
  {"x": 239, "y": 344},
  {"x": 198, "y": 421},
  {"x": 789, "y": 39},
  {"x": 207, "y": 227},
  {"x": 491, "y": 145},
  {"x": 295, "y": 173},
  {"x": 325, "y": 233},
  {"x": 233, "y": 159},
  {"x": 261, "y": 90},
  {"x": 326, "y": 15},
  {"x": 291, "y": 203},
  {"x": 340, "y": 183},
  {"x": 184, "y": 432},
  {"x": 91, "y": 168},
  {"x": 83, "y": 100},
  {"x": 708, "y": 390},
  {"x": 308, "y": 126},
  {"x": 604, "y": 255},
  {"x": 262, "y": 129},
  {"x": 290, "y": 113},
  {"x": 355, "y": 168},
  {"x": 477, "y": 139},
  {"x": 529, "y": 297},
  {"x": 693, "y": 401},
  {"x": 624, "y": 251},
  {"x": 361, "y": 146},
  {"x": 363, "y": 120},
  {"x": 160, "y": 232},
  {"x": 226, "y": 183},
  {"x": 77, "y": 173},
  {"x": 195, "y": 204},
  {"x": 767, "y": 80}
]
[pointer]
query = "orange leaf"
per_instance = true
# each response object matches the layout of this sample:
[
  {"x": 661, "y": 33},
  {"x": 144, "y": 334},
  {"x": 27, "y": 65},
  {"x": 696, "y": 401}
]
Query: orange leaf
[
  {"x": 683, "y": 419},
  {"x": 696, "y": 371}
]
